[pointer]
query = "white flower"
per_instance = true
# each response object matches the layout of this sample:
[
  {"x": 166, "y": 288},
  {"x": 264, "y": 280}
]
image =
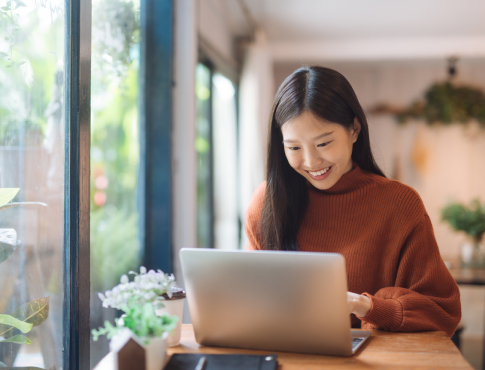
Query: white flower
[
  {"x": 147, "y": 287},
  {"x": 101, "y": 296}
]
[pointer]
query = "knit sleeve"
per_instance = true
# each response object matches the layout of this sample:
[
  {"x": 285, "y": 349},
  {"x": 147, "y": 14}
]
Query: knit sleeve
[
  {"x": 253, "y": 218},
  {"x": 425, "y": 295}
]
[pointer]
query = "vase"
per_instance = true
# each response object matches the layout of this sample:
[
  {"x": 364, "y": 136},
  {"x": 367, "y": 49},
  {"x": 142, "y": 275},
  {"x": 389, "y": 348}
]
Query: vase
[
  {"x": 156, "y": 353},
  {"x": 473, "y": 253},
  {"x": 174, "y": 306}
]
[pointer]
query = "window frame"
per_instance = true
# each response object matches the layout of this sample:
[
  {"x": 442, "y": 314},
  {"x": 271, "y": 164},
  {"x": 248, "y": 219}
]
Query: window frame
[
  {"x": 77, "y": 75},
  {"x": 155, "y": 162},
  {"x": 155, "y": 180}
]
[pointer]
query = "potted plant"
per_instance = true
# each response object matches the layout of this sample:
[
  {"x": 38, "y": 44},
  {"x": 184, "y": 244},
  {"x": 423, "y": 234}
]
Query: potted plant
[
  {"x": 471, "y": 220},
  {"x": 139, "y": 299}
]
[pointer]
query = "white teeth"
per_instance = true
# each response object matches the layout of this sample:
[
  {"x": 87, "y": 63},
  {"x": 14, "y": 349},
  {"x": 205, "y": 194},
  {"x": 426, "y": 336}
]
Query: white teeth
[{"x": 319, "y": 172}]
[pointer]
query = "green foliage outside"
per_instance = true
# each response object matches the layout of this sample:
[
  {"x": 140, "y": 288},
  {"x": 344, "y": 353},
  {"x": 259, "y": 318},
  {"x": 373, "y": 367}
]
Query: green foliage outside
[
  {"x": 114, "y": 141},
  {"x": 114, "y": 246},
  {"x": 470, "y": 219},
  {"x": 446, "y": 103},
  {"x": 27, "y": 75}
]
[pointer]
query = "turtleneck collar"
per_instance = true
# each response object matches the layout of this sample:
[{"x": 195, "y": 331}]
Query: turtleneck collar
[{"x": 352, "y": 180}]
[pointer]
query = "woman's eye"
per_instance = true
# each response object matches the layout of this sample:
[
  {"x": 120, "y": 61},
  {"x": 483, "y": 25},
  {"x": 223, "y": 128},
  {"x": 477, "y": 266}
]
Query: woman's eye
[
  {"x": 324, "y": 144},
  {"x": 293, "y": 148}
]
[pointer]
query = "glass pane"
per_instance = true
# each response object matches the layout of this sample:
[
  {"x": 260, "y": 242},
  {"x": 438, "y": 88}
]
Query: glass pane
[
  {"x": 226, "y": 217},
  {"x": 203, "y": 143},
  {"x": 115, "y": 244},
  {"x": 32, "y": 161}
]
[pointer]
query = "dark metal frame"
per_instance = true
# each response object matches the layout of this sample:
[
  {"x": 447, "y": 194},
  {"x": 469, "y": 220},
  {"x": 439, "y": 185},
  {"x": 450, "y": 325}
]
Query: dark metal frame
[
  {"x": 155, "y": 180},
  {"x": 77, "y": 77}
]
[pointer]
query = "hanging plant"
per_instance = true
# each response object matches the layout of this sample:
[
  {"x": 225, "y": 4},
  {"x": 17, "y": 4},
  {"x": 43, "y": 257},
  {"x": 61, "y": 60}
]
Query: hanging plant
[{"x": 446, "y": 103}]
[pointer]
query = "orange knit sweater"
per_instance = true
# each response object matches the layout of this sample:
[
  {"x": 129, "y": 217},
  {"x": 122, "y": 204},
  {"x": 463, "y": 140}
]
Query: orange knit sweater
[{"x": 382, "y": 229}]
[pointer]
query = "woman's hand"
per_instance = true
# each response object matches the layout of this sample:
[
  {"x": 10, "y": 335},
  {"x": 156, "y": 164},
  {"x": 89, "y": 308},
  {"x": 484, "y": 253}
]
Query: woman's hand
[{"x": 359, "y": 304}]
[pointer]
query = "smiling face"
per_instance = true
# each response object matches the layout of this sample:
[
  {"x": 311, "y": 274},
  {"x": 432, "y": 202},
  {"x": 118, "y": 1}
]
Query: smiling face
[{"x": 318, "y": 150}]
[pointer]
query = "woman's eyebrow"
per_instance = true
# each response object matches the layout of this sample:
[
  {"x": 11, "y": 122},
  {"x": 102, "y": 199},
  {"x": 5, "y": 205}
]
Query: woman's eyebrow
[{"x": 315, "y": 138}]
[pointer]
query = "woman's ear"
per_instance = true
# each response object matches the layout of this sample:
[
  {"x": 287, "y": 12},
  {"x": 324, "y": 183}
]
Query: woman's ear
[{"x": 355, "y": 130}]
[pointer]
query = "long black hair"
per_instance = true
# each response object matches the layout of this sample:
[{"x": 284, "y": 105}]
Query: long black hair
[{"x": 327, "y": 95}]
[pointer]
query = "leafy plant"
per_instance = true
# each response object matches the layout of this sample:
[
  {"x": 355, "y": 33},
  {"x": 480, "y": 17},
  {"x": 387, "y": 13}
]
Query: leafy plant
[
  {"x": 9, "y": 24},
  {"x": 447, "y": 103},
  {"x": 138, "y": 300},
  {"x": 32, "y": 313},
  {"x": 141, "y": 320},
  {"x": 470, "y": 219}
]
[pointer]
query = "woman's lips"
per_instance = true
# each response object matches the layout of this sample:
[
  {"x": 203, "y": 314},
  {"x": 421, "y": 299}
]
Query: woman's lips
[{"x": 321, "y": 177}]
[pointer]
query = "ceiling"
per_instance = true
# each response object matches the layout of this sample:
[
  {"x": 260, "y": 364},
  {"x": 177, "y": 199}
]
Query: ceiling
[
  {"x": 293, "y": 20},
  {"x": 313, "y": 30}
]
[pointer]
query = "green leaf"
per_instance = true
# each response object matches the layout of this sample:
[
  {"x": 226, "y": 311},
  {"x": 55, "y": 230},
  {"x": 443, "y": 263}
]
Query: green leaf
[
  {"x": 13, "y": 322},
  {"x": 34, "y": 312},
  {"x": 19, "y": 4},
  {"x": 7, "y": 194},
  {"x": 5, "y": 251},
  {"x": 5, "y": 8},
  {"x": 18, "y": 204},
  {"x": 19, "y": 339},
  {"x": 3, "y": 54}
]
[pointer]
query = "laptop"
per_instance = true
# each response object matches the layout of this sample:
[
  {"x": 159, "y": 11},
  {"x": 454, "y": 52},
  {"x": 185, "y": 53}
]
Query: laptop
[{"x": 270, "y": 300}]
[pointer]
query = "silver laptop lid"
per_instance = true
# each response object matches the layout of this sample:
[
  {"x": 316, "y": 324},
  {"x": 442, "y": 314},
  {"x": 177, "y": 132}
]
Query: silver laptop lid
[{"x": 269, "y": 300}]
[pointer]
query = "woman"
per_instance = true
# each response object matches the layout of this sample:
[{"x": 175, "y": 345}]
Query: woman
[{"x": 325, "y": 193}]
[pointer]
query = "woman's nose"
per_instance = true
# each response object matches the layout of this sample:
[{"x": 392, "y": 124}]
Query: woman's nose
[{"x": 312, "y": 160}]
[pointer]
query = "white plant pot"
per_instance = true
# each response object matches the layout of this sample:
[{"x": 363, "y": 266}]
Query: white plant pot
[
  {"x": 173, "y": 307},
  {"x": 156, "y": 353}
]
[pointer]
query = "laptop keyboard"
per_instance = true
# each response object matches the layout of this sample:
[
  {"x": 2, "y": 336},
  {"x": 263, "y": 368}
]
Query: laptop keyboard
[{"x": 356, "y": 342}]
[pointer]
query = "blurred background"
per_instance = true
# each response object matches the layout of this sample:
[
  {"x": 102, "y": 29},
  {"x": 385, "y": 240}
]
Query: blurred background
[{"x": 417, "y": 67}]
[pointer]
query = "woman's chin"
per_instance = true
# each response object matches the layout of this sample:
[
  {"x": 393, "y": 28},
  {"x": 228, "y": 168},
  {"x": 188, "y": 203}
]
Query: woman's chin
[{"x": 322, "y": 184}]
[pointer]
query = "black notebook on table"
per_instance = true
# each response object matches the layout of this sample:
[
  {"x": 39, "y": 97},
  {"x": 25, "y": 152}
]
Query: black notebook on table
[{"x": 188, "y": 361}]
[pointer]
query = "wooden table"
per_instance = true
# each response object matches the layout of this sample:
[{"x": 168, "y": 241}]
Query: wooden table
[{"x": 383, "y": 350}]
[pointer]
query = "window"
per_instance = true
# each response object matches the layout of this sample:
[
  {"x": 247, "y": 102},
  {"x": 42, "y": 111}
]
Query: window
[
  {"x": 115, "y": 137},
  {"x": 45, "y": 137},
  {"x": 203, "y": 146},
  {"x": 32, "y": 136},
  {"x": 216, "y": 145}
]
